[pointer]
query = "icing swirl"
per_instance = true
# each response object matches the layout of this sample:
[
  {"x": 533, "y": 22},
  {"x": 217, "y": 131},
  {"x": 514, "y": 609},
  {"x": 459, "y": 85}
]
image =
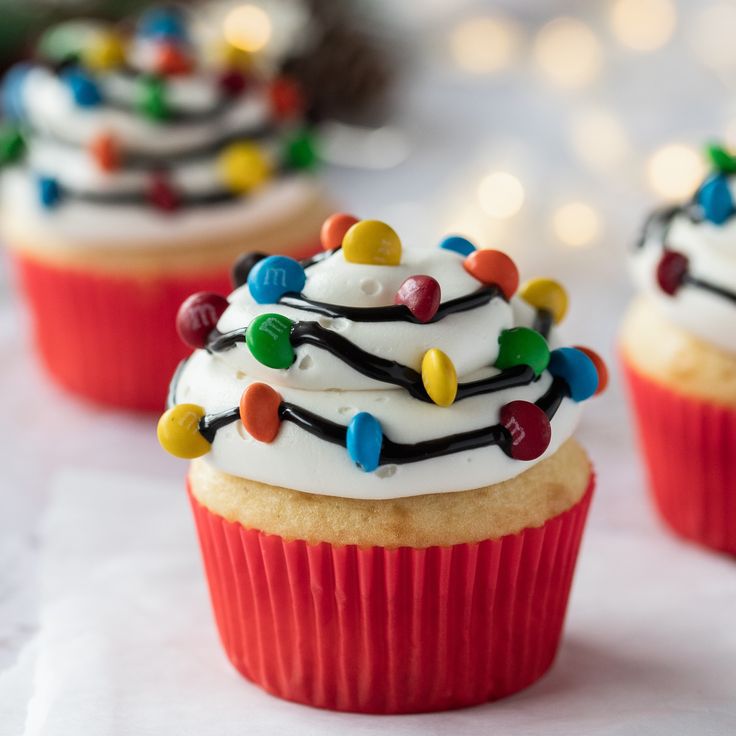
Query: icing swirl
[{"x": 365, "y": 380}]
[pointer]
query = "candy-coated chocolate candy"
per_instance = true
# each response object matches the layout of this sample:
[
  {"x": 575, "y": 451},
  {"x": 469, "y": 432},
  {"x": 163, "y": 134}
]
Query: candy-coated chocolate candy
[
  {"x": 721, "y": 159},
  {"x": 494, "y": 267},
  {"x": 300, "y": 151},
  {"x": 546, "y": 294},
  {"x": 233, "y": 82},
  {"x": 163, "y": 22},
  {"x": 12, "y": 91},
  {"x": 198, "y": 316},
  {"x": 231, "y": 57},
  {"x": 178, "y": 431},
  {"x": 274, "y": 276},
  {"x": 151, "y": 98},
  {"x": 12, "y": 145},
  {"x": 364, "y": 439},
  {"x": 105, "y": 150},
  {"x": 162, "y": 195},
  {"x": 49, "y": 192},
  {"x": 259, "y": 412},
  {"x": 672, "y": 271},
  {"x": 334, "y": 229},
  {"x": 244, "y": 167},
  {"x": 522, "y": 346},
  {"x": 287, "y": 101},
  {"x": 269, "y": 340},
  {"x": 600, "y": 367},
  {"x": 172, "y": 60},
  {"x": 422, "y": 295},
  {"x": 372, "y": 242},
  {"x": 529, "y": 429},
  {"x": 439, "y": 377},
  {"x": 84, "y": 89},
  {"x": 577, "y": 370},
  {"x": 714, "y": 197},
  {"x": 458, "y": 244},
  {"x": 243, "y": 266},
  {"x": 104, "y": 51}
]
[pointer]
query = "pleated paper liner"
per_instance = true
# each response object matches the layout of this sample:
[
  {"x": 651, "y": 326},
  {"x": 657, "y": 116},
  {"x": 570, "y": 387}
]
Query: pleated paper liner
[
  {"x": 690, "y": 451},
  {"x": 379, "y": 630},
  {"x": 112, "y": 339}
]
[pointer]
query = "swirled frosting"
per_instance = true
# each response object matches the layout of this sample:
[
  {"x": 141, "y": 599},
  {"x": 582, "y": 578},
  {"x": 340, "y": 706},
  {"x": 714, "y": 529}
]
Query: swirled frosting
[
  {"x": 446, "y": 391},
  {"x": 132, "y": 127},
  {"x": 684, "y": 261}
]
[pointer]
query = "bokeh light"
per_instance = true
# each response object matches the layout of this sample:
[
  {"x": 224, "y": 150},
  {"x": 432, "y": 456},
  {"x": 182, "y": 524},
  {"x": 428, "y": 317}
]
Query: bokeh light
[
  {"x": 576, "y": 224},
  {"x": 568, "y": 53},
  {"x": 643, "y": 25},
  {"x": 675, "y": 170},
  {"x": 711, "y": 35},
  {"x": 248, "y": 27},
  {"x": 500, "y": 194},
  {"x": 599, "y": 138},
  {"x": 484, "y": 45}
]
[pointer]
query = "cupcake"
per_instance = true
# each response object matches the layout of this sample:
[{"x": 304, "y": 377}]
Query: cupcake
[
  {"x": 678, "y": 347},
  {"x": 136, "y": 167},
  {"x": 388, "y": 496}
]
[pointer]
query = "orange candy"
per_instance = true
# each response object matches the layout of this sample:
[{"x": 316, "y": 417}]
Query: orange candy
[
  {"x": 600, "y": 367},
  {"x": 106, "y": 152},
  {"x": 494, "y": 268},
  {"x": 334, "y": 229},
  {"x": 259, "y": 412},
  {"x": 287, "y": 101},
  {"x": 171, "y": 60}
]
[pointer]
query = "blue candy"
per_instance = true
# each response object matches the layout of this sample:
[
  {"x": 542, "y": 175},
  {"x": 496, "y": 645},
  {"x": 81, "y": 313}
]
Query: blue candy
[
  {"x": 163, "y": 23},
  {"x": 49, "y": 192},
  {"x": 12, "y": 92},
  {"x": 275, "y": 276},
  {"x": 84, "y": 89},
  {"x": 576, "y": 369},
  {"x": 458, "y": 244},
  {"x": 364, "y": 440},
  {"x": 716, "y": 200}
]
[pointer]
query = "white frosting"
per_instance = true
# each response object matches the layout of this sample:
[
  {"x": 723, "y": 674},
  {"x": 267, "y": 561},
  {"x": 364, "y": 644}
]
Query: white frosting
[
  {"x": 710, "y": 249},
  {"x": 321, "y": 383}
]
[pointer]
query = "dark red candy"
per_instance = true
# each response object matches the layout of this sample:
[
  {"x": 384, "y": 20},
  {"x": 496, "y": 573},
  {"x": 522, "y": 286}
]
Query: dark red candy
[
  {"x": 671, "y": 271},
  {"x": 243, "y": 266},
  {"x": 197, "y": 317},
  {"x": 233, "y": 82},
  {"x": 422, "y": 295},
  {"x": 162, "y": 195},
  {"x": 529, "y": 430}
]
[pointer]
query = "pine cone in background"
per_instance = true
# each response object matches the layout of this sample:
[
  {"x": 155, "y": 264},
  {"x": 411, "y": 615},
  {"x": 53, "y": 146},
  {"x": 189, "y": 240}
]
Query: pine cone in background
[{"x": 346, "y": 72}]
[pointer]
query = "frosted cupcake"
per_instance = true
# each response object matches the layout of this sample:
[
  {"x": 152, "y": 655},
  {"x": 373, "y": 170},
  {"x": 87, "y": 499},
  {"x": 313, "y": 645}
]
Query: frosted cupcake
[
  {"x": 386, "y": 488},
  {"x": 679, "y": 351},
  {"x": 136, "y": 168}
]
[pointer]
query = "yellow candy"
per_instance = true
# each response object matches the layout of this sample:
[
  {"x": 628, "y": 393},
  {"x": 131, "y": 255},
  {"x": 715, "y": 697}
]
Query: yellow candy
[
  {"x": 244, "y": 167},
  {"x": 546, "y": 294},
  {"x": 373, "y": 243},
  {"x": 231, "y": 57},
  {"x": 439, "y": 377},
  {"x": 178, "y": 431},
  {"x": 105, "y": 52}
]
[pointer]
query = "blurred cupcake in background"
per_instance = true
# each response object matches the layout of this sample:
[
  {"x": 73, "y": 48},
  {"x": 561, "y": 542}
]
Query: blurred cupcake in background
[
  {"x": 137, "y": 165},
  {"x": 678, "y": 345}
]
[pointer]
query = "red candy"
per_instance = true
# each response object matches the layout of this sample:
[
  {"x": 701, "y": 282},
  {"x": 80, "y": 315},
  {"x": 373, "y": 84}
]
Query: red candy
[
  {"x": 671, "y": 271},
  {"x": 162, "y": 195},
  {"x": 171, "y": 60},
  {"x": 422, "y": 295},
  {"x": 287, "y": 101},
  {"x": 106, "y": 152},
  {"x": 334, "y": 229},
  {"x": 600, "y": 367},
  {"x": 259, "y": 412},
  {"x": 233, "y": 82},
  {"x": 197, "y": 317},
  {"x": 529, "y": 428},
  {"x": 493, "y": 267}
]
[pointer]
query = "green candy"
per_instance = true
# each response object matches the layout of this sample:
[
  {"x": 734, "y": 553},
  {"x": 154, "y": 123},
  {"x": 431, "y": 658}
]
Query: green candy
[
  {"x": 522, "y": 346},
  {"x": 721, "y": 159},
  {"x": 152, "y": 98},
  {"x": 12, "y": 146},
  {"x": 300, "y": 151},
  {"x": 268, "y": 339}
]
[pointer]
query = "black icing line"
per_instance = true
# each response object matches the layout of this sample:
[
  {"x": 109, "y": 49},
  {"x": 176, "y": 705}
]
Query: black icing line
[{"x": 721, "y": 291}]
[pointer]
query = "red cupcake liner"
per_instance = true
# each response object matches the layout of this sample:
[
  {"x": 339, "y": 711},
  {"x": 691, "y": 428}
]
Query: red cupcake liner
[
  {"x": 378, "y": 630},
  {"x": 689, "y": 447},
  {"x": 111, "y": 338}
]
